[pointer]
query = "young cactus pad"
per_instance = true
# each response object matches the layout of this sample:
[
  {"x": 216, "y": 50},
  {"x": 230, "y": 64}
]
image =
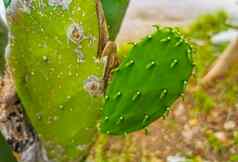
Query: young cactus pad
[
  {"x": 114, "y": 11},
  {"x": 147, "y": 82},
  {"x": 57, "y": 76}
]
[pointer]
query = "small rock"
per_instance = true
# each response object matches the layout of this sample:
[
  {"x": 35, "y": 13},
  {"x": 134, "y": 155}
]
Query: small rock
[
  {"x": 175, "y": 158},
  {"x": 189, "y": 132},
  {"x": 193, "y": 122},
  {"x": 229, "y": 125},
  {"x": 221, "y": 136},
  {"x": 179, "y": 111}
]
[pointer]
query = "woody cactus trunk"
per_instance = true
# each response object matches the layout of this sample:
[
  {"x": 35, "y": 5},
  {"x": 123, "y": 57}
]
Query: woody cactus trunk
[{"x": 67, "y": 82}]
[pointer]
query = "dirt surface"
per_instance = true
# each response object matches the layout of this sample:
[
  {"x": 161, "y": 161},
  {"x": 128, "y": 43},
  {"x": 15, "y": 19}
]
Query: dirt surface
[{"x": 190, "y": 131}]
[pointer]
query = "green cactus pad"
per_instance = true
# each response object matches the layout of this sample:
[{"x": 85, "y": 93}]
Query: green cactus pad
[
  {"x": 7, "y": 3},
  {"x": 147, "y": 82},
  {"x": 53, "y": 49},
  {"x": 114, "y": 11},
  {"x": 5, "y": 151}
]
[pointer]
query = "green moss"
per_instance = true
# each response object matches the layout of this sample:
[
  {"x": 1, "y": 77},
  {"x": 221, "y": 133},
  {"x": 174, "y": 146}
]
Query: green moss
[
  {"x": 233, "y": 158},
  {"x": 214, "y": 142},
  {"x": 200, "y": 33},
  {"x": 203, "y": 102},
  {"x": 207, "y": 25}
]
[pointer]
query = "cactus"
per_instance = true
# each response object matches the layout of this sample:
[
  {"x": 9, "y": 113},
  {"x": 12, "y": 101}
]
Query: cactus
[
  {"x": 147, "y": 82},
  {"x": 56, "y": 72},
  {"x": 7, "y": 3},
  {"x": 114, "y": 12},
  {"x": 5, "y": 152},
  {"x": 55, "y": 60}
]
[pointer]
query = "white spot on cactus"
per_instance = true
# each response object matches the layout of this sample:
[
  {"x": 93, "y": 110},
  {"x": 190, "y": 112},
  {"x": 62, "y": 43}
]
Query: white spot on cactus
[
  {"x": 63, "y": 3},
  {"x": 94, "y": 86},
  {"x": 106, "y": 118},
  {"x": 39, "y": 116},
  {"x": 45, "y": 58},
  {"x": 82, "y": 147},
  {"x": 92, "y": 40},
  {"x": 23, "y": 5},
  {"x": 80, "y": 54},
  {"x": 75, "y": 33},
  {"x": 70, "y": 73},
  {"x": 61, "y": 107},
  {"x": 55, "y": 118}
]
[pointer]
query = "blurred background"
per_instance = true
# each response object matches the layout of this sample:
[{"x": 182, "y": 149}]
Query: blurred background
[
  {"x": 202, "y": 126},
  {"x": 142, "y": 14}
]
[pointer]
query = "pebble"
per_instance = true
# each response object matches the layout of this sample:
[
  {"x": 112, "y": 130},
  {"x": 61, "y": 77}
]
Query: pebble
[
  {"x": 230, "y": 125},
  {"x": 175, "y": 158},
  {"x": 221, "y": 136}
]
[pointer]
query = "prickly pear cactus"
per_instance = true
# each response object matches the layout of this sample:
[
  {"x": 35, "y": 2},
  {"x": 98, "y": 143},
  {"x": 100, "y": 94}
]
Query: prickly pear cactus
[
  {"x": 114, "y": 11},
  {"x": 147, "y": 82},
  {"x": 5, "y": 152},
  {"x": 56, "y": 72}
]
